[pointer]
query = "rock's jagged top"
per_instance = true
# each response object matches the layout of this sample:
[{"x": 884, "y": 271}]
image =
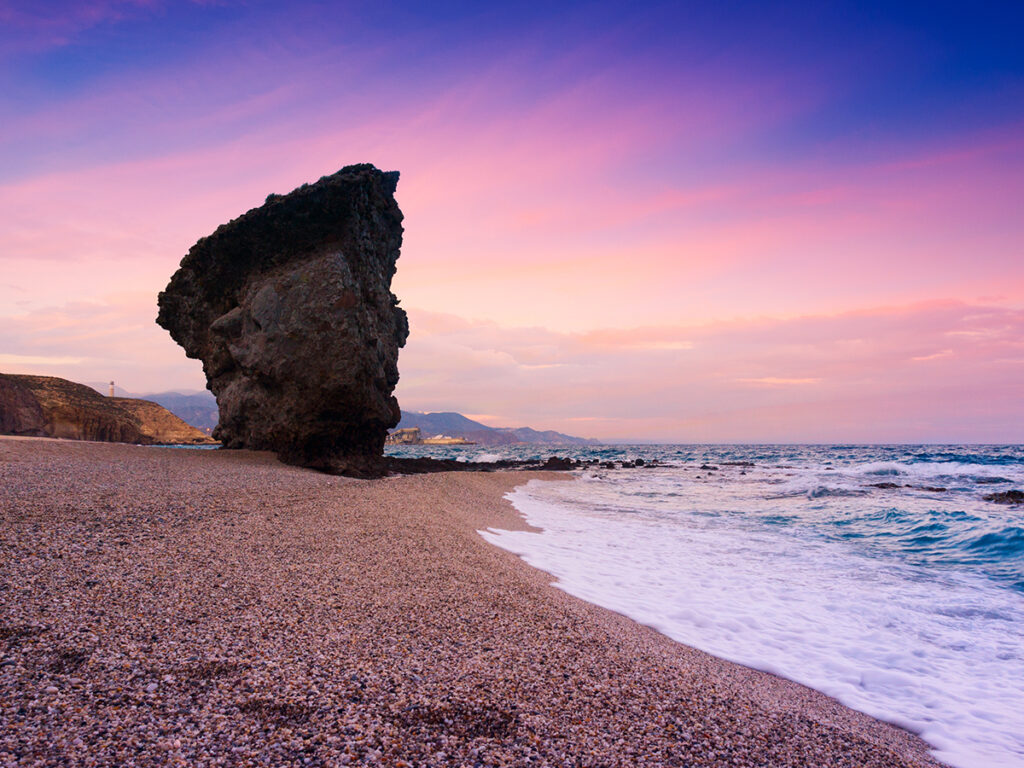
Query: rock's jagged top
[
  {"x": 289, "y": 306},
  {"x": 47, "y": 406}
]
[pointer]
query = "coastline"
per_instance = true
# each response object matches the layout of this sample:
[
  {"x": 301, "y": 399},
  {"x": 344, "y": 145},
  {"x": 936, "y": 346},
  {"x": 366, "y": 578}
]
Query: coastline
[{"x": 162, "y": 606}]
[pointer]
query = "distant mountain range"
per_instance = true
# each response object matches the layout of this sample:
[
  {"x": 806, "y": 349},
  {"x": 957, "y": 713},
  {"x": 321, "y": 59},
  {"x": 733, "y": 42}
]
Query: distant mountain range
[
  {"x": 196, "y": 408},
  {"x": 200, "y": 410},
  {"x": 456, "y": 425}
]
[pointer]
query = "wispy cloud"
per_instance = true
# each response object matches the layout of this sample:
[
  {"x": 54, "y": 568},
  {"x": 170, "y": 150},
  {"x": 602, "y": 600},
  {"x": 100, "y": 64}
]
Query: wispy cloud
[
  {"x": 112, "y": 338},
  {"x": 21, "y": 361},
  {"x": 934, "y": 356},
  {"x": 777, "y": 381},
  {"x": 849, "y": 376},
  {"x": 866, "y": 375}
]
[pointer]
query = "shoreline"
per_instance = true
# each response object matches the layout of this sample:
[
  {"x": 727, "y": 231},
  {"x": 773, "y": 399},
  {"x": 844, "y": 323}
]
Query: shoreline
[{"x": 166, "y": 607}]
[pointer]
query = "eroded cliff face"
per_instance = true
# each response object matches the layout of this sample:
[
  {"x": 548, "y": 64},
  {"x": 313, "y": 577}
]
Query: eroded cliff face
[
  {"x": 20, "y": 412},
  {"x": 290, "y": 309},
  {"x": 47, "y": 406}
]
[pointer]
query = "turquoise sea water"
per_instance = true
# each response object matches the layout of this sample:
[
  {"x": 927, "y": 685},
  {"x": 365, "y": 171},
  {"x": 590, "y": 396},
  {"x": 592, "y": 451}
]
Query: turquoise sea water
[{"x": 877, "y": 574}]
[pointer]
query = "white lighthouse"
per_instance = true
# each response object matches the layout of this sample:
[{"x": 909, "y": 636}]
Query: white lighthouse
[{"x": 111, "y": 389}]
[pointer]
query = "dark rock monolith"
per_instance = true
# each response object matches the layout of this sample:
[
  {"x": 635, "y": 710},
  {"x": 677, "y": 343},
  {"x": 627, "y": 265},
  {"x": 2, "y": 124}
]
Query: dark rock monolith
[{"x": 290, "y": 309}]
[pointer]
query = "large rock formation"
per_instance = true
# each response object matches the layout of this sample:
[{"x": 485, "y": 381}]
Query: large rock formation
[
  {"x": 46, "y": 406},
  {"x": 290, "y": 308}
]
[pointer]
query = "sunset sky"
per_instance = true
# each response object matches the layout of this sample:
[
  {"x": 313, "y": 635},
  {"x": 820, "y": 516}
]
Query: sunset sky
[{"x": 718, "y": 222}]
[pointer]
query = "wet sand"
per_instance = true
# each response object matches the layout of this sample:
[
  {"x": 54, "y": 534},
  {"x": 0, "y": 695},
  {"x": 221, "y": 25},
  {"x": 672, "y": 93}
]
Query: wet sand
[{"x": 176, "y": 607}]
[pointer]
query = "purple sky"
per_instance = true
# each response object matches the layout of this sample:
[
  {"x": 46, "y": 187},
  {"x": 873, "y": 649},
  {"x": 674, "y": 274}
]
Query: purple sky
[{"x": 658, "y": 222}]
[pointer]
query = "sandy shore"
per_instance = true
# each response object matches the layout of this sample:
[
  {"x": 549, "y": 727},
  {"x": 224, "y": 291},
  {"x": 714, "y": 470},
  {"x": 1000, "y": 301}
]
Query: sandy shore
[{"x": 175, "y": 607}]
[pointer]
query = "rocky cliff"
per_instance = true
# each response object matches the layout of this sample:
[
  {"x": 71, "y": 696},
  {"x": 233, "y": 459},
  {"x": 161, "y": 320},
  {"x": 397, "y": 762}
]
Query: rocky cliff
[
  {"x": 160, "y": 424},
  {"x": 46, "y": 406},
  {"x": 290, "y": 309},
  {"x": 20, "y": 411}
]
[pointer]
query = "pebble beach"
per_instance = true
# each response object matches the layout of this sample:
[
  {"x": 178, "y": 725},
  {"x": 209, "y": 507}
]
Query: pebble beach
[{"x": 164, "y": 607}]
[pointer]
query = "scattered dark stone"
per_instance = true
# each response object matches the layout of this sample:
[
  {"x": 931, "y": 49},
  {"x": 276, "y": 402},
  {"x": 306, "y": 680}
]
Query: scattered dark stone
[
  {"x": 16, "y": 633},
  {"x": 737, "y": 463},
  {"x": 424, "y": 465},
  {"x": 1006, "y": 497},
  {"x": 466, "y": 720},
  {"x": 885, "y": 485},
  {"x": 67, "y": 660},
  {"x": 933, "y": 488},
  {"x": 628, "y": 464},
  {"x": 709, "y": 467},
  {"x": 276, "y": 712},
  {"x": 559, "y": 463},
  {"x": 639, "y": 462},
  {"x": 290, "y": 308},
  {"x": 608, "y": 464},
  {"x": 991, "y": 480},
  {"x": 207, "y": 670}
]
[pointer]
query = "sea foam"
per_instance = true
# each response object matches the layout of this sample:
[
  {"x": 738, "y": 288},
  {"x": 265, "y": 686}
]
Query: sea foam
[{"x": 847, "y": 594}]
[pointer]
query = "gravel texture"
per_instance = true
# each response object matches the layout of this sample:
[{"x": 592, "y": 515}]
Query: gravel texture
[{"x": 201, "y": 608}]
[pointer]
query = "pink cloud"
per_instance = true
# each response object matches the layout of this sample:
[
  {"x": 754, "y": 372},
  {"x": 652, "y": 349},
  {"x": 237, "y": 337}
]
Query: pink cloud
[
  {"x": 471, "y": 176},
  {"x": 86, "y": 341},
  {"x": 542, "y": 198},
  {"x": 901, "y": 373}
]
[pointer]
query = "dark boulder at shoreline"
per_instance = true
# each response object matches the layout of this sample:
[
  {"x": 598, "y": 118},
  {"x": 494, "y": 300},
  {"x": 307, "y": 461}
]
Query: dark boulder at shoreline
[
  {"x": 47, "y": 406},
  {"x": 423, "y": 465},
  {"x": 290, "y": 309},
  {"x": 1006, "y": 497}
]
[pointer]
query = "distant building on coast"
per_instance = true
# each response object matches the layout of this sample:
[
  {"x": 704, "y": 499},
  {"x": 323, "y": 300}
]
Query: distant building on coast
[
  {"x": 413, "y": 436},
  {"x": 409, "y": 436}
]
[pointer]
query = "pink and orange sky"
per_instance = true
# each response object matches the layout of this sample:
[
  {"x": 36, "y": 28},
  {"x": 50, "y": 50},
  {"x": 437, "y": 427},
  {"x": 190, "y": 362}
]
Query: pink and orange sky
[{"x": 658, "y": 222}]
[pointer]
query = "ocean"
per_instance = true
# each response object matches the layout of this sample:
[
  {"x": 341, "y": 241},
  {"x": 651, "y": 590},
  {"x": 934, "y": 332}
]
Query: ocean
[{"x": 878, "y": 575}]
